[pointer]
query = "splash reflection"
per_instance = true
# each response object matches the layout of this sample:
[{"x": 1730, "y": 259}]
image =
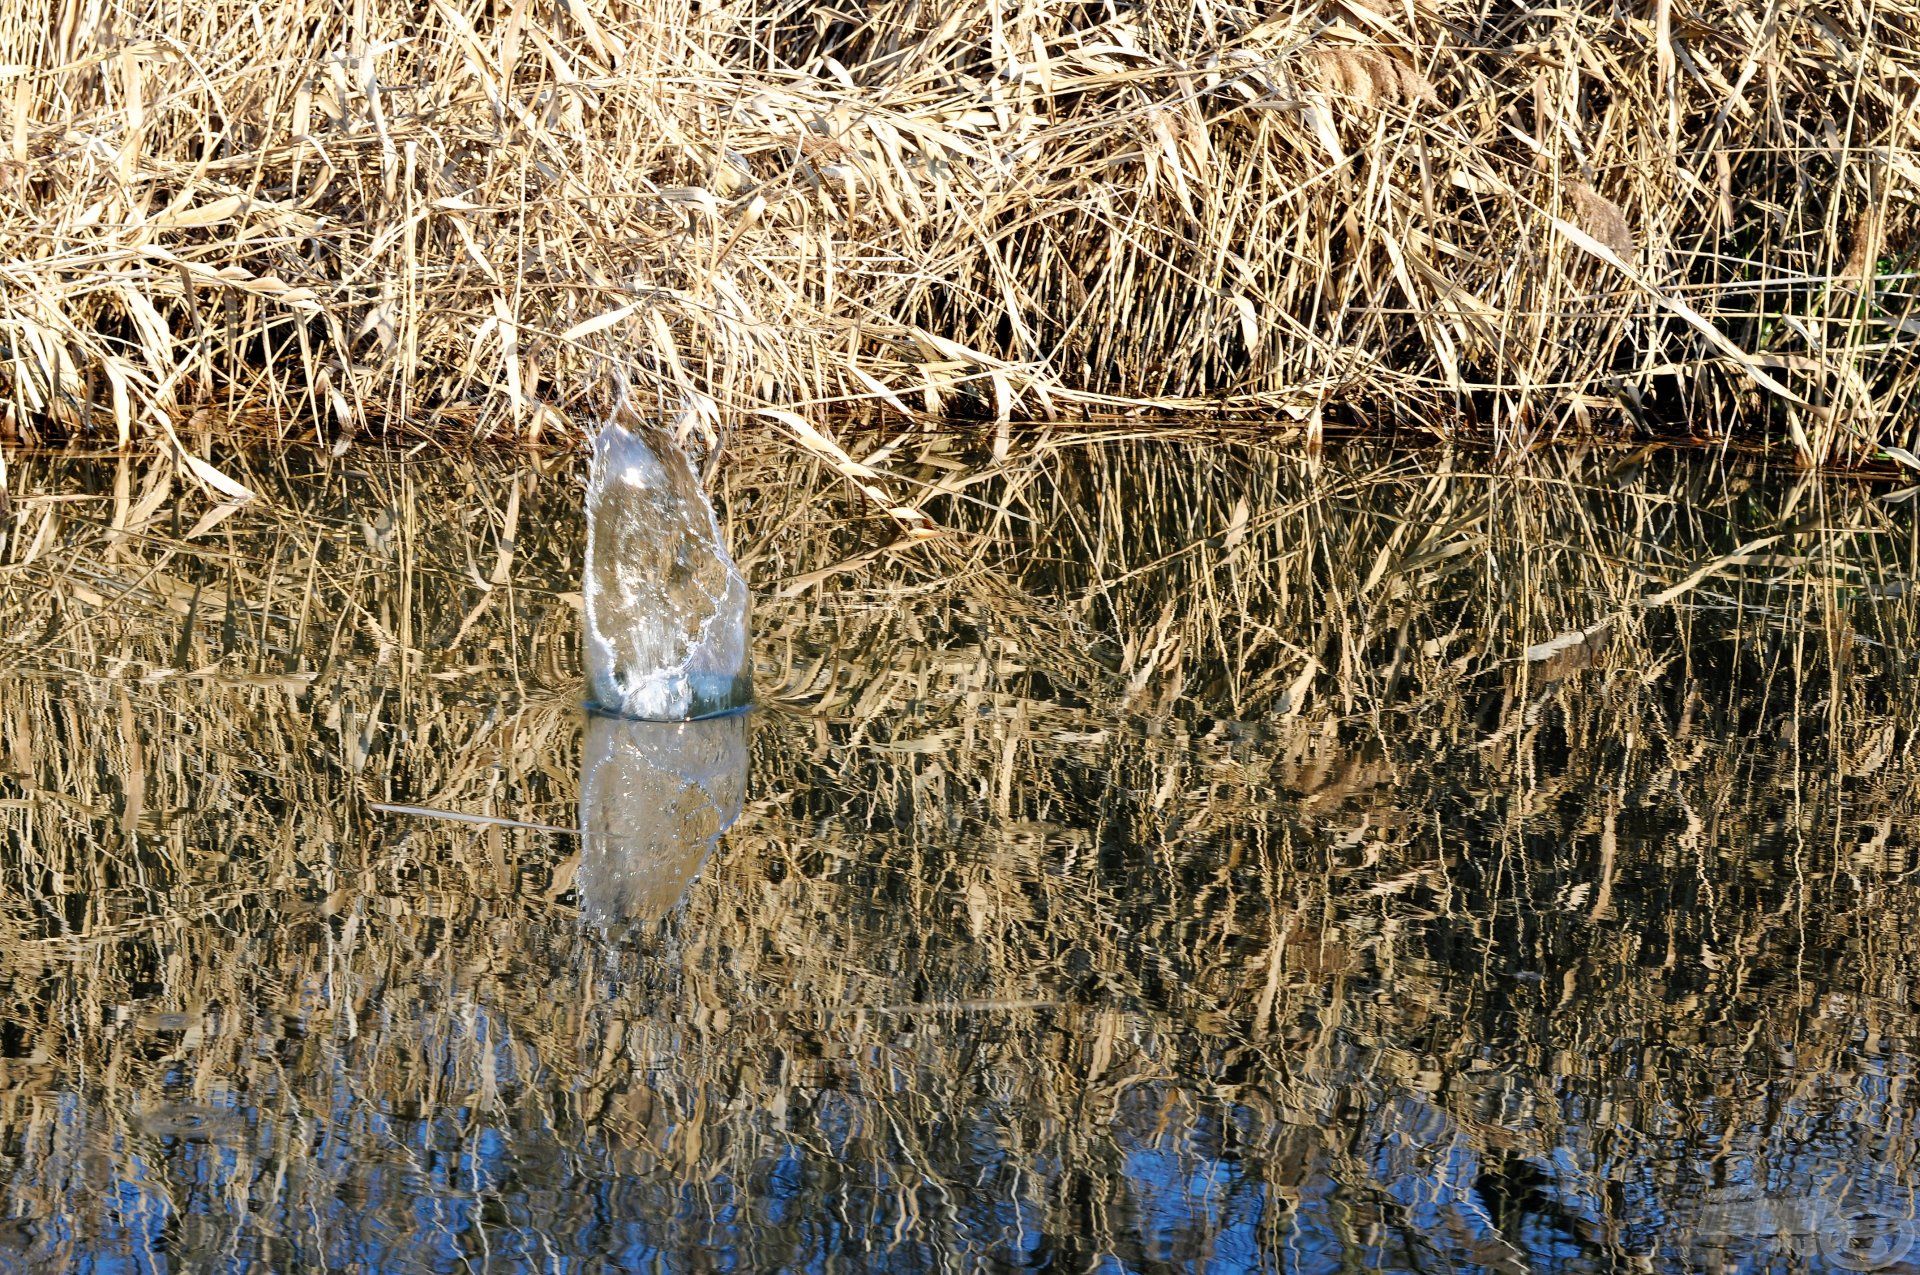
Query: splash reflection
[{"x": 654, "y": 799}]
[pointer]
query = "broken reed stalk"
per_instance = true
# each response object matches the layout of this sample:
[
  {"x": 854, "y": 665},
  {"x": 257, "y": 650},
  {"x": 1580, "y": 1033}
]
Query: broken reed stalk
[{"x": 494, "y": 218}]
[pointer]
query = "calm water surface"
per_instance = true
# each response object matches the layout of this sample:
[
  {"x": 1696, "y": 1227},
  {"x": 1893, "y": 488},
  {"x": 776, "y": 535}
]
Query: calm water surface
[{"x": 1196, "y": 860}]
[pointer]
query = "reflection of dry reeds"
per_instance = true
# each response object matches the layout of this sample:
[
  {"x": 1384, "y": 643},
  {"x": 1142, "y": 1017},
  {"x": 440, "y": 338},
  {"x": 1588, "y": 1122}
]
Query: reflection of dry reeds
[
  {"x": 482, "y": 219},
  {"x": 1180, "y": 799}
]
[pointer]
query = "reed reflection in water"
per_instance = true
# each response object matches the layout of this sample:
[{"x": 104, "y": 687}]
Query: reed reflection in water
[{"x": 1197, "y": 859}]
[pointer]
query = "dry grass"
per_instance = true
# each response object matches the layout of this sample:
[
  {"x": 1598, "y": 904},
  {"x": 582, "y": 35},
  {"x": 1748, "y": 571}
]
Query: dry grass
[
  {"x": 475, "y": 216},
  {"x": 1188, "y": 802}
]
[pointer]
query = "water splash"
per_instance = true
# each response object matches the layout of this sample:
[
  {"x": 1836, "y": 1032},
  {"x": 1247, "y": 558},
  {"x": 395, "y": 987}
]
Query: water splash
[
  {"x": 666, "y": 609},
  {"x": 654, "y": 799}
]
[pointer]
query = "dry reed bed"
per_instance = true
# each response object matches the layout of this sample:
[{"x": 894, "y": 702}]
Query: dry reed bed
[
  {"x": 490, "y": 217},
  {"x": 1031, "y": 856}
]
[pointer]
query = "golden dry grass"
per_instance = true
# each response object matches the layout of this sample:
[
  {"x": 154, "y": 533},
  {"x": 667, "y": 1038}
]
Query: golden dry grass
[{"x": 494, "y": 217}]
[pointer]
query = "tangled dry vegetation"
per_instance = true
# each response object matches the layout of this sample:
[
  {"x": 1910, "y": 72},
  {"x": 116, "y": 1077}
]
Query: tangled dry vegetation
[
  {"x": 493, "y": 217},
  {"x": 1184, "y": 804}
]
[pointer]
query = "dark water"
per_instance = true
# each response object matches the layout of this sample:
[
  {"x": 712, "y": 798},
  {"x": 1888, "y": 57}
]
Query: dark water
[{"x": 1195, "y": 860}]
